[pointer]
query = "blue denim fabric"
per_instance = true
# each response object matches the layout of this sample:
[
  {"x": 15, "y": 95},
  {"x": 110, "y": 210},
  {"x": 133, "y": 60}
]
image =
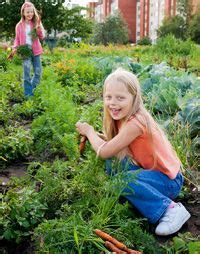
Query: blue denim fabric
[
  {"x": 151, "y": 192},
  {"x": 30, "y": 84}
]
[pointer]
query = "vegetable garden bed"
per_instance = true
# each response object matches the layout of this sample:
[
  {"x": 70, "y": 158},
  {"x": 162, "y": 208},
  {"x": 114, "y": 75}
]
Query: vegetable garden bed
[{"x": 64, "y": 196}]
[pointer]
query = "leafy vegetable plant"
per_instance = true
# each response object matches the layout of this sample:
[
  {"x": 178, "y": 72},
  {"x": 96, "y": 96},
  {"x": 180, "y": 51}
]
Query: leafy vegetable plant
[{"x": 24, "y": 51}]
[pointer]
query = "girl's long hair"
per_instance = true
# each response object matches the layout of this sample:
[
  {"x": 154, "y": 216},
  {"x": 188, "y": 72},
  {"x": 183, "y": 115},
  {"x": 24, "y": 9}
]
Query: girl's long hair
[
  {"x": 138, "y": 109},
  {"x": 36, "y": 17}
]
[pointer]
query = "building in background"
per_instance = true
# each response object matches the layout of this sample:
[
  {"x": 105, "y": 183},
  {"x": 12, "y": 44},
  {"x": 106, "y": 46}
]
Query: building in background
[
  {"x": 156, "y": 14},
  {"x": 143, "y": 17},
  {"x": 101, "y": 9}
]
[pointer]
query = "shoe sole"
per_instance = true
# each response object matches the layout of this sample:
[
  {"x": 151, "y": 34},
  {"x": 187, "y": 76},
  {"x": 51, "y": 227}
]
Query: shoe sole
[{"x": 179, "y": 227}]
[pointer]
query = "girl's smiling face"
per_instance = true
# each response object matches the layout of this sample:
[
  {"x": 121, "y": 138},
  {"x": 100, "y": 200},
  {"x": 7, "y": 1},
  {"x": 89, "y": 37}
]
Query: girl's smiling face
[
  {"x": 118, "y": 100},
  {"x": 28, "y": 13}
]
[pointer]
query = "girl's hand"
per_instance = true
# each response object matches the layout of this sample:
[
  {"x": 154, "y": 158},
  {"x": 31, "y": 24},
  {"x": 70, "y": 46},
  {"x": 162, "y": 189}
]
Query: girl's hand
[
  {"x": 84, "y": 128},
  {"x": 11, "y": 55}
]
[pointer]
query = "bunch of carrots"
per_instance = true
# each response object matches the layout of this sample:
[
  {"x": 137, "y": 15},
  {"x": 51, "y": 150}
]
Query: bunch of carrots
[
  {"x": 11, "y": 55},
  {"x": 113, "y": 244}
]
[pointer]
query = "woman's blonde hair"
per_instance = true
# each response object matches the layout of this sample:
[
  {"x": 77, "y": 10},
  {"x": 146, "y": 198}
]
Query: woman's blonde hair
[
  {"x": 36, "y": 17},
  {"x": 130, "y": 81}
]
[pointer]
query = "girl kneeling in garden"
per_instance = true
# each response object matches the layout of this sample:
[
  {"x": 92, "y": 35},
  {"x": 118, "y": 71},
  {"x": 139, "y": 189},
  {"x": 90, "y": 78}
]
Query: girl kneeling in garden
[
  {"x": 131, "y": 132},
  {"x": 27, "y": 33}
]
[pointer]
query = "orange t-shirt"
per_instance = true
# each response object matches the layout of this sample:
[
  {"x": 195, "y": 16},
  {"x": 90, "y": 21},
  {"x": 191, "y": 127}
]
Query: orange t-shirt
[{"x": 142, "y": 151}]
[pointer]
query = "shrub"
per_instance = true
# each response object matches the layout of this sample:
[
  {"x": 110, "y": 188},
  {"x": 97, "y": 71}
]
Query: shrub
[
  {"x": 145, "y": 41},
  {"x": 113, "y": 30},
  {"x": 175, "y": 25},
  {"x": 64, "y": 41},
  {"x": 171, "y": 46}
]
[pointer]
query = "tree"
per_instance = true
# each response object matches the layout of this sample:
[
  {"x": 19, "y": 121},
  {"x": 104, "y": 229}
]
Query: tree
[
  {"x": 54, "y": 17},
  {"x": 76, "y": 24},
  {"x": 194, "y": 28},
  {"x": 51, "y": 12},
  {"x": 9, "y": 16},
  {"x": 98, "y": 34},
  {"x": 175, "y": 25},
  {"x": 113, "y": 30},
  {"x": 185, "y": 8}
]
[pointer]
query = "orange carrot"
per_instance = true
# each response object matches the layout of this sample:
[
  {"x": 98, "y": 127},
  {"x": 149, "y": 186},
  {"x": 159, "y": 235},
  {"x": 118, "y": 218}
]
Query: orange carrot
[
  {"x": 130, "y": 251},
  {"x": 113, "y": 247},
  {"x": 82, "y": 144},
  {"x": 111, "y": 239},
  {"x": 114, "y": 241}
]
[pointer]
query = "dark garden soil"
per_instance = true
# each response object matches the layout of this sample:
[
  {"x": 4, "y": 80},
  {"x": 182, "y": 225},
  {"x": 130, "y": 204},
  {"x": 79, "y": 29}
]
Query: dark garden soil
[
  {"x": 191, "y": 201},
  {"x": 17, "y": 170},
  {"x": 193, "y": 206},
  {"x": 22, "y": 248}
]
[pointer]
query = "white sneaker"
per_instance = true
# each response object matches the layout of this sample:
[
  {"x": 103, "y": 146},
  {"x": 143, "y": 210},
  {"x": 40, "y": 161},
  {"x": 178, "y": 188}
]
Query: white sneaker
[{"x": 172, "y": 220}]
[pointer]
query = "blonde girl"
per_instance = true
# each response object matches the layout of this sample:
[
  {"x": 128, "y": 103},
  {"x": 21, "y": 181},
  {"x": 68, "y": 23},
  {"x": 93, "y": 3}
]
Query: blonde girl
[
  {"x": 132, "y": 133},
  {"x": 29, "y": 31}
]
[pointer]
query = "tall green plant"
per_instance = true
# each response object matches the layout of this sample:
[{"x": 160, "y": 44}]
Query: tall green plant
[
  {"x": 51, "y": 129},
  {"x": 172, "y": 46}
]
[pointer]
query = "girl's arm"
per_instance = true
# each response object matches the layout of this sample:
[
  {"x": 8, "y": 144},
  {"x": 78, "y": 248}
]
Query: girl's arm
[
  {"x": 122, "y": 140},
  {"x": 16, "y": 41}
]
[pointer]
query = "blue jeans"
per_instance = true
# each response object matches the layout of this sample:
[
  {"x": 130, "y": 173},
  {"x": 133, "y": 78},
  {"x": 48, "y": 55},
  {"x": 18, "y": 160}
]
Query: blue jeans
[
  {"x": 151, "y": 192},
  {"x": 30, "y": 84}
]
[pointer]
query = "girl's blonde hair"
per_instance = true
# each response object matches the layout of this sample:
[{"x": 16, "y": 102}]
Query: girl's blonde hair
[
  {"x": 130, "y": 81},
  {"x": 36, "y": 17}
]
